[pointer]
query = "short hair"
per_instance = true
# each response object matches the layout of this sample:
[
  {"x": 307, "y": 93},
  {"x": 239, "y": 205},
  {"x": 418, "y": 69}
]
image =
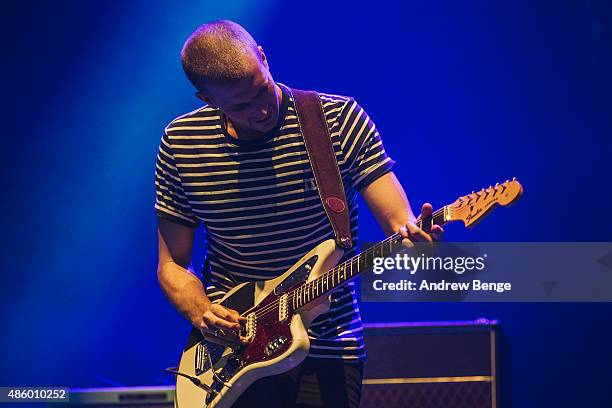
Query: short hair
[{"x": 217, "y": 52}]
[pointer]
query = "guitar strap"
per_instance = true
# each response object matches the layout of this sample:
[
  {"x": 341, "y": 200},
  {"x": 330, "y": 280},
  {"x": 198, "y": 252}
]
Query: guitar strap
[{"x": 317, "y": 139}]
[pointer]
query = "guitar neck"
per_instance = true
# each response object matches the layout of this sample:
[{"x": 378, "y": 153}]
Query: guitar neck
[{"x": 345, "y": 271}]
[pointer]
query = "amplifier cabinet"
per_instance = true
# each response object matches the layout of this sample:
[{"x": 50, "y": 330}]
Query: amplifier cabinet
[{"x": 431, "y": 365}]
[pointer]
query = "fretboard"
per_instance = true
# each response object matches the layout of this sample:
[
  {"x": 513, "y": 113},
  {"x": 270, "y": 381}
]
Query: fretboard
[{"x": 349, "y": 269}]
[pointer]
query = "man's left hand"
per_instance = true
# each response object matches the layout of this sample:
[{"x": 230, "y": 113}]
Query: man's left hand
[{"x": 414, "y": 234}]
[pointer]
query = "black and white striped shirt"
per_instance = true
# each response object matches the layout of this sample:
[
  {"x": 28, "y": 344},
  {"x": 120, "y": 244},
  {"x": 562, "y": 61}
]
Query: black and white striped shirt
[{"x": 258, "y": 203}]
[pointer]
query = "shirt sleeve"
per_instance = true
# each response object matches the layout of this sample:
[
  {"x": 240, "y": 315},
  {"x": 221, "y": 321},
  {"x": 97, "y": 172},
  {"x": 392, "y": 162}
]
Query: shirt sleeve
[
  {"x": 170, "y": 199},
  {"x": 363, "y": 149}
]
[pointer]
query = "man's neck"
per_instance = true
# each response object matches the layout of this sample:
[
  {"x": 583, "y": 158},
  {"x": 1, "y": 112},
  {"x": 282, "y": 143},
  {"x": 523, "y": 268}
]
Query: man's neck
[{"x": 250, "y": 134}]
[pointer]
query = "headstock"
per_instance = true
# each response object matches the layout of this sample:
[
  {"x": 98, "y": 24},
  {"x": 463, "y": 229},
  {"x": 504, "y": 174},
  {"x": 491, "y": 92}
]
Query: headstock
[{"x": 472, "y": 208}]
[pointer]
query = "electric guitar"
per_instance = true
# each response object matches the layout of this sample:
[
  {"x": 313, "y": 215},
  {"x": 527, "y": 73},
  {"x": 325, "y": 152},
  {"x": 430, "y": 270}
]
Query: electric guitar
[{"x": 279, "y": 311}]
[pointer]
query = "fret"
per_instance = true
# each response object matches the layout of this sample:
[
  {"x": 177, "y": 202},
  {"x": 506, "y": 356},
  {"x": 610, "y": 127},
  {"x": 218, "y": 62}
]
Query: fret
[
  {"x": 359, "y": 261},
  {"x": 438, "y": 219},
  {"x": 301, "y": 299}
]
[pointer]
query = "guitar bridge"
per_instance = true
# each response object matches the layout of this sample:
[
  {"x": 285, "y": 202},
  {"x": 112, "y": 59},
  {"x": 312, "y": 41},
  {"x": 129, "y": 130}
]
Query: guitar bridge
[
  {"x": 206, "y": 356},
  {"x": 202, "y": 359}
]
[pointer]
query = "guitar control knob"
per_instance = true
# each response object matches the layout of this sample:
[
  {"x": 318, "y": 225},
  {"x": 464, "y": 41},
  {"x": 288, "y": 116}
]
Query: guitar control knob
[{"x": 222, "y": 376}]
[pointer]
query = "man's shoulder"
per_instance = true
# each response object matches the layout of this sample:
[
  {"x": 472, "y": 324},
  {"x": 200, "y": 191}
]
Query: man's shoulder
[
  {"x": 334, "y": 100},
  {"x": 199, "y": 117},
  {"x": 334, "y": 105}
]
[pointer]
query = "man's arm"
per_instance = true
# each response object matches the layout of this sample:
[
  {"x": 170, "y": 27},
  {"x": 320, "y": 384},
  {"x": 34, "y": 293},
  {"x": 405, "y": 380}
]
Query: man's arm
[
  {"x": 388, "y": 202},
  {"x": 184, "y": 290}
]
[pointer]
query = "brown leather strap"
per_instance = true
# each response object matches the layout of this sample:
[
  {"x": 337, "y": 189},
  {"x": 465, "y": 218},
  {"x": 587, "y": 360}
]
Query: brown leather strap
[{"x": 311, "y": 120}]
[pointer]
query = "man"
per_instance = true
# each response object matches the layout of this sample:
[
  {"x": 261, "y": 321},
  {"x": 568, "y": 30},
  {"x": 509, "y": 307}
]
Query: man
[{"x": 239, "y": 166}]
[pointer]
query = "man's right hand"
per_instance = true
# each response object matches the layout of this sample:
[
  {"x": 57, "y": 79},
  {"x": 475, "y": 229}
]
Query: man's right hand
[
  {"x": 221, "y": 325},
  {"x": 186, "y": 292}
]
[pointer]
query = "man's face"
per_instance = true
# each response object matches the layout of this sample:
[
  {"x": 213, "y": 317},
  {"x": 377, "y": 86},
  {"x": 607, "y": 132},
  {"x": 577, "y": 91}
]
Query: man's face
[{"x": 251, "y": 103}]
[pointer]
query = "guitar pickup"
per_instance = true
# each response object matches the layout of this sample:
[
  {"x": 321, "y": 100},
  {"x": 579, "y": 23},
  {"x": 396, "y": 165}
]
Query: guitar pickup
[
  {"x": 251, "y": 326},
  {"x": 283, "y": 307}
]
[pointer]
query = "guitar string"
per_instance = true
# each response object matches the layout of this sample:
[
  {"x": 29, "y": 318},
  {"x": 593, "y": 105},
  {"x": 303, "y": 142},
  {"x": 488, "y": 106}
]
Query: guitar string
[
  {"x": 308, "y": 286},
  {"x": 337, "y": 269},
  {"x": 305, "y": 288}
]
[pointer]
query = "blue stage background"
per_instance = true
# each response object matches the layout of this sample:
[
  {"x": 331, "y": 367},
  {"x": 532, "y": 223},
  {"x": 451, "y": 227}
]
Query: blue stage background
[{"x": 464, "y": 94}]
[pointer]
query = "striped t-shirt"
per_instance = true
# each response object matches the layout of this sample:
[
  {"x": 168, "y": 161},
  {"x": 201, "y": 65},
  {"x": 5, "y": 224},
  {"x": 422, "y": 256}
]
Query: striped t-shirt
[{"x": 259, "y": 205}]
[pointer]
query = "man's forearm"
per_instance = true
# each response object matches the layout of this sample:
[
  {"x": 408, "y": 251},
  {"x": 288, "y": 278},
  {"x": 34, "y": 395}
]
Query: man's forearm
[
  {"x": 388, "y": 202},
  {"x": 184, "y": 290}
]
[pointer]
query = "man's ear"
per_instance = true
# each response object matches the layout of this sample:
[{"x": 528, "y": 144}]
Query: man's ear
[
  {"x": 263, "y": 56},
  {"x": 205, "y": 99}
]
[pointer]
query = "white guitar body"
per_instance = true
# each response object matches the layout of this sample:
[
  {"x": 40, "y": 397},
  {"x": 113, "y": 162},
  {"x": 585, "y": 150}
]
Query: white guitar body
[{"x": 262, "y": 357}]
